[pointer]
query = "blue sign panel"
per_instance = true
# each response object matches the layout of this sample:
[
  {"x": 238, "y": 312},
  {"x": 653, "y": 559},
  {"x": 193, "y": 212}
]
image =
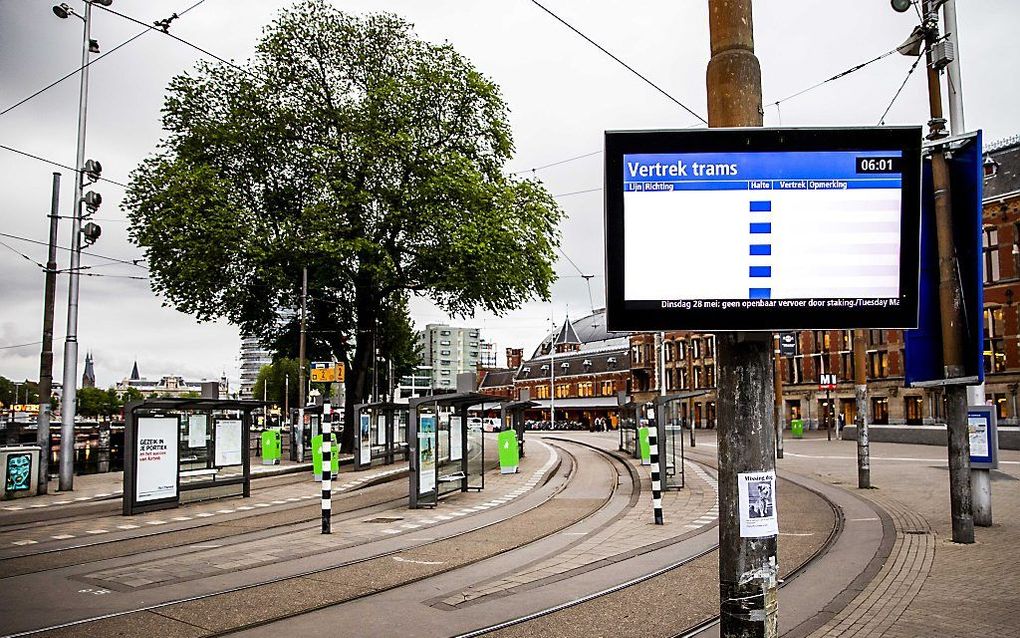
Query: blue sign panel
[
  {"x": 19, "y": 472},
  {"x": 984, "y": 437},
  {"x": 923, "y": 347}
]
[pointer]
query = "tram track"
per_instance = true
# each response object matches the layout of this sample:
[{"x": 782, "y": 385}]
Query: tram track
[
  {"x": 228, "y": 599},
  {"x": 508, "y": 627},
  {"x": 43, "y": 559}
]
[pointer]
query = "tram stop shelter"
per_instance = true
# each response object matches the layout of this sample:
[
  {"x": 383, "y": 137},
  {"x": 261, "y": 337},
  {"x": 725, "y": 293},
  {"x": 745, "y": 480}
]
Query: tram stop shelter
[
  {"x": 185, "y": 450},
  {"x": 446, "y": 453},
  {"x": 512, "y": 415},
  {"x": 381, "y": 433},
  {"x": 670, "y": 432}
]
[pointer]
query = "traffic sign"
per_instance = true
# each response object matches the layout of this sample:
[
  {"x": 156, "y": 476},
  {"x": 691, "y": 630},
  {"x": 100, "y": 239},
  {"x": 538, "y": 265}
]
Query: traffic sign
[
  {"x": 827, "y": 382},
  {"x": 788, "y": 344},
  {"x": 327, "y": 372}
]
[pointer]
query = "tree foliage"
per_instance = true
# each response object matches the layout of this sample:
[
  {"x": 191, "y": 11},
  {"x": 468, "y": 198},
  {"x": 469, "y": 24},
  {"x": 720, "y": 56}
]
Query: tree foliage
[
  {"x": 274, "y": 381},
  {"x": 353, "y": 148}
]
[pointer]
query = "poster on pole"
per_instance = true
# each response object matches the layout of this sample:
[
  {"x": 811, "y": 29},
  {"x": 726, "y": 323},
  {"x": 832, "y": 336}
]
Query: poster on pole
[
  {"x": 156, "y": 459},
  {"x": 228, "y": 442},
  {"x": 365, "y": 440},
  {"x": 757, "y": 504},
  {"x": 197, "y": 430},
  {"x": 456, "y": 438},
  {"x": 426, "y": 453},
  {"x": 984, "y": 438}
]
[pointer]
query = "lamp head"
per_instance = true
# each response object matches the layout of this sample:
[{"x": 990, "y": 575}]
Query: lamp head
[
  {"x": 62, "y": 11},
  {"x": 900, "y": 6},
  {"x": 91, "y": 232}
]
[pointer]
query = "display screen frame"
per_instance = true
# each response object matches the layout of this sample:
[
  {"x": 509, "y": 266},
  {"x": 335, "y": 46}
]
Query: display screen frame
[{"x": 906, "y": 139}]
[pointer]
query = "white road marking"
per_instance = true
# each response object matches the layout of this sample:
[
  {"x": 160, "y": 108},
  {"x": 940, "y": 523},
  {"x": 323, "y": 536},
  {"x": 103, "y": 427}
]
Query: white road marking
[
  {"x": 62, "y": 537},
  {"x": 96, "y": 531},
  {"x": 127, "y": 527},
  {"x": 25, "y": 542},
  {"x": 418, "y": 562}
]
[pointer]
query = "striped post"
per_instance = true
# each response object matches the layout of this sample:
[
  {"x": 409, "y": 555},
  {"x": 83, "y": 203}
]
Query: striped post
[
  {"x": 653, "y": 453},
  {"x": 327, "y": 465}
]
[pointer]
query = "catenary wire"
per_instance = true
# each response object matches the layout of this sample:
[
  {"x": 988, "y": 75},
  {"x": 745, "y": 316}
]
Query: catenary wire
[
  {"x": 910, "y": 72},
  {"x": 90, "y": 63},
  {"x": 621, "y": 62},
  {"x": 128, "y": 262},
  {"x": 57, "y": 164}
]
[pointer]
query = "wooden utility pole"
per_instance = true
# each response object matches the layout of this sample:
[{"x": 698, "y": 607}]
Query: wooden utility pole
[
  {"x": 950, "y": 303},
  {"x": 46, "y": 357},
  {"x": 862, "y": 418},
  {"x": 748, "y": 567}
]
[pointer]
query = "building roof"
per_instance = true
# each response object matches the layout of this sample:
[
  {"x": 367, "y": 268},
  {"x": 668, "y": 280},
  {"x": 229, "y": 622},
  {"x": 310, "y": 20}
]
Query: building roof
[
  {"x": 497, "y": 378},
  {"x": 134, "y": 373},
  {"x": 576, "y": 363},
  {"x": 589, "y": 331},
  {"x": 89, "y": 376},
  {"x": 1006, "y": 154}
]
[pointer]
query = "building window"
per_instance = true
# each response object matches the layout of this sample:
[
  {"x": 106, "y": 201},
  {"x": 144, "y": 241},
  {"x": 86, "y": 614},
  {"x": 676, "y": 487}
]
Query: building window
[
  {"x": 995, "y": 349},
  {"x": 847, "y": 364},
  {"x": 683, "y": 378},
  {"x": 709, "y": 347},
  {"x": 444, "y": 333},
  {"x": 585, "y": 389},
  {"x": 876, "y": 337},
  {"x": 681, "y": 350},
  {"x": 445, "y": 373},
  {"x": 444, "y": 343},
  {"x": 445, "y": 353},
  {"x": 697, "y": 377},
  {"x": 562, "y": 390},
  {"x": 880, "y": 411},
  {"x": 1000, "y": 403},
  {"x": 696, "y": 348},
  {"x": 878, "y": 364},
  {"x": 474, "y": 354},
  {"x": 990, "y": 247},
  {"x": 542, "y": 392},
  {"x": 667, "y": 351},
  {"x": 912, "y": 408},
  {"x": 709, "y": 376},
  {"x": 607, "y": 388}
]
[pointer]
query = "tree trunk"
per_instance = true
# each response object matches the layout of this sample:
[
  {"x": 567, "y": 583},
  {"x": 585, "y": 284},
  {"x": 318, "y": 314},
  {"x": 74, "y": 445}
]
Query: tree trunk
[{"x": 357, "y": 379}]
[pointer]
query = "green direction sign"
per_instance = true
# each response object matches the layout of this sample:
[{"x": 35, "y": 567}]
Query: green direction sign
[
  {"x": 646, "y": 453},
  {"x": 334, "y": 456},
  {"x": 509, "y": 455},
  {"x": 271, "y": 452}
]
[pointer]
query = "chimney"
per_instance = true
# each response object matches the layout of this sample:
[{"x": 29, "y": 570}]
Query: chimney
[{"x": 514, "y": 356}]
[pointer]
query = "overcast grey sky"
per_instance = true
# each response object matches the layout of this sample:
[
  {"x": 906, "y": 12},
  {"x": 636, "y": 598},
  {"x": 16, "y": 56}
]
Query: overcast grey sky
[{"x": 563, "y": 94}]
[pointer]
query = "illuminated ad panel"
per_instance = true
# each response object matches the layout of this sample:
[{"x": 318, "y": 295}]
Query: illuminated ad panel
[{"x": 762, "y": 229}]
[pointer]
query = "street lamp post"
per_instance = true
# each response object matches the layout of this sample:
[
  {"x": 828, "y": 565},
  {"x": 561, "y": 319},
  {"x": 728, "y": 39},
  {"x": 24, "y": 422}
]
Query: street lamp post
[{"x": 68, "y": 401}]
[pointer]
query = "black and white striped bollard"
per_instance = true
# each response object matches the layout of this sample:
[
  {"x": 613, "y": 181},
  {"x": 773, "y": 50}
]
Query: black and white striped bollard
[
  {"x": 327, "y": 465},
  {"x": 653, "y": 454}
]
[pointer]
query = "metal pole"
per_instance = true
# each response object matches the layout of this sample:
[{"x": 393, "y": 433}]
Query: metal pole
[
  {"x": 956, "y": 121},
  {"x": 46, "y": 358},
  {"x": 777, "y": 377},
  {"x": 748, "y": 566},
  {"x": 68, "y": 406},
  {"x": 552, "y": 372},
  {"x": 327, "y": 465},
  {"x": 298, "y": 431},
  {"x": 828, "y": 416},
  {"x": 861, "y": 397},
  {"x": 690, "y": 383},
  {"x": 950, "y": 305}
]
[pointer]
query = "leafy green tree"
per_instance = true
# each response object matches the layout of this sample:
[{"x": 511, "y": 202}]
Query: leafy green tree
[
  {"x": 131, "y": 394},
  {"x": 275, "y": 380},
  {"x": 350, "y": 147},
  {"x": 96, "y": 402},
  {"x": 18, "y": 392}
]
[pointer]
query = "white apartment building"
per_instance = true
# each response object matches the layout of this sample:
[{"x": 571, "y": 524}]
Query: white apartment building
[
  {"x": 449, "y": 351},
  {"x": 253, "y": 357}
]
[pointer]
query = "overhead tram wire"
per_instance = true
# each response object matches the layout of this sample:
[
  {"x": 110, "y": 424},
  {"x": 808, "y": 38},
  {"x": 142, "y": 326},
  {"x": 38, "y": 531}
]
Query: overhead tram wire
[
  {"x": 137, "y": 262},
  {"x": 545, "y": 166},
  {"x": 881, "y": 120},
  {"x": 621, "y": 62},
  {"x": 57, "y": 164},
  {"x": 90, "y": 63}
]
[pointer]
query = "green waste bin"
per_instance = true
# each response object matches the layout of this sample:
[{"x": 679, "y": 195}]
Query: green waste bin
[
  {"x": 797, "y": 428},
  {"x": 509, "y": 453},
  {"x": 646, "y": 452},
  {"x": 271, "y": 447},
  {"x": 334, "y": 456}
]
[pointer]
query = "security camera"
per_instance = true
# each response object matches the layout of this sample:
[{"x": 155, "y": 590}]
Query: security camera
[{"x": 91, "y": 232}]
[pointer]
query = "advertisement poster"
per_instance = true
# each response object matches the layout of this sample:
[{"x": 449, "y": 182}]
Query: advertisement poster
[
  {"x": 197, "y": 430},
  {"x": 19, "y": 472},
  {"x": 380, "y": 429},
  {"x": 978, "y": 428},
  {"x": 228, "y": 442},
  {"x": 757, "y": 504},
  {"x": 156, "y": 460},
  {"x": 365, "y": 440},
  {"x": 456, "y": 438},
  {"x": 426, "y": 453}
]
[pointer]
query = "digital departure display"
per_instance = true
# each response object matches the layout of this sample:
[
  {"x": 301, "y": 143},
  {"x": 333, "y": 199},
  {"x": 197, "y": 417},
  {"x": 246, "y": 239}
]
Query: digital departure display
[{"x": 762, "y": 229}]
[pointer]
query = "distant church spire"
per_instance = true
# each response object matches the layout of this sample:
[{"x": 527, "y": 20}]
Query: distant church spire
[
  {"x": 134, "y": 372},
  {"x": 88, "y": 378}
]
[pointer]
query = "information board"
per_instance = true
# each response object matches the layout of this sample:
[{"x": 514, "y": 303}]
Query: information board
[
  {"x": 456, "y": 439},
  {"x": 365, "y": 440},
  {"x": 426, "y": 453},
  {"x": 156, "y": 459},
  {"x": 228, "y": 442},
  {"x": 762, "y": 229},
  {"x": 984, "y": 437},
  {"x": 197, "y": 430}
]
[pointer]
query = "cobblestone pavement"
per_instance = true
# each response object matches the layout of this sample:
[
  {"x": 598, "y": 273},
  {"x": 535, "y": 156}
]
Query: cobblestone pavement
[{"x": 214, "y": 560}]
